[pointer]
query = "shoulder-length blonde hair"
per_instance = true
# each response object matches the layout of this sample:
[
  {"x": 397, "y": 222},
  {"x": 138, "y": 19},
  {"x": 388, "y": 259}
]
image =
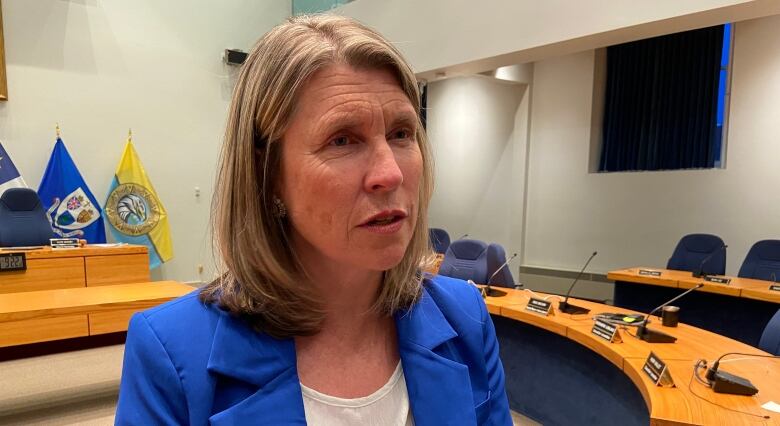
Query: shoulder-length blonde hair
[{"x": 263, "y": 282}]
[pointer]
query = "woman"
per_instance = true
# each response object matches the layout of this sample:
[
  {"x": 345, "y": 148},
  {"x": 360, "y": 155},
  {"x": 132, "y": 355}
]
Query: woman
[{"x": 320, "y": 219}]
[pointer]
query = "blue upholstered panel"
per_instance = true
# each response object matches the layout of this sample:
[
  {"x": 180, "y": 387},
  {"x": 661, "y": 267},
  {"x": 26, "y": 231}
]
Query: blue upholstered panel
[
  {"x": 693, "y": 249},
  {"x": 467, "y": 260},
  {"x": 23, "y": 220},
  {"x": 762, "y": 261},
  {"x": 440, "y": 240},
  {"x": 770, "y": 340},
  {"x": 496, "y": 257}
]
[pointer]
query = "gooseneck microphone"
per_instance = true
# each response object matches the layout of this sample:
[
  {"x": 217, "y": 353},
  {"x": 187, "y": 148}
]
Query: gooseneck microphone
[
  {"x": 655, "y": 336},
  {"x": 699, "y": 272},
  {"x": 462, "y": 237},
  {"x": 491, "y": 291},
  {"x": 567, "y": 307}
]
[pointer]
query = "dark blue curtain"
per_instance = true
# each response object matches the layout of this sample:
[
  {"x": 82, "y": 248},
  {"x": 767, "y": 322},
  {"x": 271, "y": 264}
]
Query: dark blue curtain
[{"x": 661, "y": 102}]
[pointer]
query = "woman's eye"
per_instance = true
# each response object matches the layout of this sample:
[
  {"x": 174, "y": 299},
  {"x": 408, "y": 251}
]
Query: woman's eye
[
  {"x": 340, "y": 141},
  {"x": 402, "y": 134}
]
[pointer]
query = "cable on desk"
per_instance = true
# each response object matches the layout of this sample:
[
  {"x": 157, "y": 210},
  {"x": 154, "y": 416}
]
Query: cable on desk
[{"x": 702, "y": 364}]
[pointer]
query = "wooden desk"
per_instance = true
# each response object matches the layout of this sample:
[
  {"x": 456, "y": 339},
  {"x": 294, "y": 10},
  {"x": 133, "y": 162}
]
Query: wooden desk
[
  {"x": 667, "y": 406},
  {"x": 738, "y": 287},
  {"x": 38, "y": 316},
  {"x": 92, "y": 265}
]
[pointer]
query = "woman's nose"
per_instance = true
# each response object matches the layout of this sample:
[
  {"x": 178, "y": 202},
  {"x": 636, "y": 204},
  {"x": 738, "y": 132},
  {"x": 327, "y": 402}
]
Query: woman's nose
[{"x": 384, "y": 173}]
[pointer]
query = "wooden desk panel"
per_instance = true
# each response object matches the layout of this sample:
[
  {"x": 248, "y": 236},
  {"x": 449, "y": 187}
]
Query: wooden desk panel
[
  {"x": 43, "y": 330},
  {"x": 44, "y": 274},
  {"x": 110, "y": 322},
  {"x": 667, "y": 406},
  {"x": 117, "y": 269},
  {"x": 668, "y": 278}
]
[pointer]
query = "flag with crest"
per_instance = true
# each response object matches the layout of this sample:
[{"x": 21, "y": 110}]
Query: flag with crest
[
  {"x": 72, "y": 210},
  {"x": 134, "y": 212}
]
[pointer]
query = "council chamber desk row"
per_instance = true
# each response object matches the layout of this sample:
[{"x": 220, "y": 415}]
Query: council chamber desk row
[
  {"x": 558, "y": 371},
  {"x": 739, "y": 308}
]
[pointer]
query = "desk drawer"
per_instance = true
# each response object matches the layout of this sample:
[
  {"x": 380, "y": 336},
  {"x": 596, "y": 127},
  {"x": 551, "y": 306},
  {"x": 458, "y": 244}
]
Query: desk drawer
[
  {"x": 43, "y": 330},
  {"x": 110, "y": 322},
  {"x": 117, "y": 269},
  {"x": 45, "y": 274}
]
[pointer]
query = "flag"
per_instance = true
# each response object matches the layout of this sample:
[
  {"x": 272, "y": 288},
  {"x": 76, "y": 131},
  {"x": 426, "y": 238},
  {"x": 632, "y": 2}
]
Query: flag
[
  {"x": 9, "y": 175},
  {"x": 134, "y": 212},
  {"x": 72, "y": 210}
]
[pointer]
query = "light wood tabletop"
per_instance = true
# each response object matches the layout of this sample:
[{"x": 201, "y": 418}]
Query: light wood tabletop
[
  {"x": 737, "y": 287},
  {"x": 667, "y": 406}
]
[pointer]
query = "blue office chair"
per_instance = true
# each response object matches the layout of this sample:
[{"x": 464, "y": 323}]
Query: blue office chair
[
  {"x": 496, "y": 257},
  {"x": 23, "y": 220},
  {"x": 762, "y": 261},
  {"x": 693, "y": 249},
  {"x": 770, "y": 339},
  {"x": 440, "y": 240},
  {"x": 467, "y": 260}
]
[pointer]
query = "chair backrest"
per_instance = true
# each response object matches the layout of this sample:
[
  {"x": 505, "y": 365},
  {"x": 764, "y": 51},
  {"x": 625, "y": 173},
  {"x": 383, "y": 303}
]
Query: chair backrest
[
  {"x": 693, "y": 249},
  {"x": 770, "y": 339},
  {"x": 762, "y": 261},
  {"x": 496, "y": 257},
  {"x": 467, "y": 260},
  {"x": 440, "y": 240},
  {"x": 23, "y": 220}
]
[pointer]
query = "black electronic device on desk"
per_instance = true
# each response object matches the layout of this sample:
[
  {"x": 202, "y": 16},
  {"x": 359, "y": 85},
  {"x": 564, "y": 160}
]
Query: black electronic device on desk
[
  {"x": 655, "y": 336},
  {"x": 723, "y": 382},
  {"x": 13, "y": 262}
]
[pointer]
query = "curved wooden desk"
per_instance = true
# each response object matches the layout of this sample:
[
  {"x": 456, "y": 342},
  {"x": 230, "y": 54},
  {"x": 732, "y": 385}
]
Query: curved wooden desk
[{"x": 666, "y": 406}]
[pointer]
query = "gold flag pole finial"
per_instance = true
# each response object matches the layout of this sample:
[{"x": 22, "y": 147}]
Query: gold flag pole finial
[
  {"x": 130, "y": 134},
  {"x": 57, "y": 130}
]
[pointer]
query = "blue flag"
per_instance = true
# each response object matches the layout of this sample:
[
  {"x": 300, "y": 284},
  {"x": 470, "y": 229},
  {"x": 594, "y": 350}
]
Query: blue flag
[
  {"x": 9, "y": 175},
  {"x": 70, "y": 206}
]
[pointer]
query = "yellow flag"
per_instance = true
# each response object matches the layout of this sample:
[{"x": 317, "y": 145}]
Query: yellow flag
[{"x": 134, "y": 212}]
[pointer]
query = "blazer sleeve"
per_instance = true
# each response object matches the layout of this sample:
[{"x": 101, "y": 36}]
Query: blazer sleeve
[
  {"x": 150, "y": 392},
  {"x": 499, "y": 404}
]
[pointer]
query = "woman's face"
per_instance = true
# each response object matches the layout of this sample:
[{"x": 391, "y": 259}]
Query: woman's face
[{"x": 351, "y": 169}]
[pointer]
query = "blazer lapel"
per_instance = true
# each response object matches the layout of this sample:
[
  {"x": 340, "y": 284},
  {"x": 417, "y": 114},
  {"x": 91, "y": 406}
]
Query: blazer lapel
[
  {"x": 242, "y": 354},
  {"x": 439, "y": 388}
]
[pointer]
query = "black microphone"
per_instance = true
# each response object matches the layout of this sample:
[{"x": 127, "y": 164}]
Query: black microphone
[
  {"x": 462, "y": 237},
  {"x": 567, "y": 307},
  {"x": 491, "y": 291},
  {"x": 699, "y": 272},
  {"x": 655, "y": 336}
]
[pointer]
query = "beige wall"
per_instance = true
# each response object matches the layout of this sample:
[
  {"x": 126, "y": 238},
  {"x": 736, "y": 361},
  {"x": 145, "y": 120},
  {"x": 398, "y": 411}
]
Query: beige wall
[
  {"x": 98, "y": 67},
  {"x": 637, "y": 218}
]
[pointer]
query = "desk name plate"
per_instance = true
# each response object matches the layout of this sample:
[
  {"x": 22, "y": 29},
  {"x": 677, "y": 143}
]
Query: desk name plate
[
  {"x": 58, "y": 243},
  {"x": 719, "y": 280},
  {"x": 539, "y": 306},
  {"x": 775, "y": 287},
  {"x": 13, "y": 262},
  {"x": 658, "y": 371},
  {"x": 606, "y": 331},
  {"x": 649, "y": 273}
]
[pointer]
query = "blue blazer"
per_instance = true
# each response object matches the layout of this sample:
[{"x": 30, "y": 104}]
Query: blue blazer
[{"x": 191, "y": 363}]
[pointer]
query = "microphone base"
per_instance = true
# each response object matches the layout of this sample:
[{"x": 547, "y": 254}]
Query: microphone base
[
  {"x": 568, "y": 308},
  {"x": 654, "y": 336},
  {"x": 491, "y": 292},
  {"x": 698, "y": 274},
  {"x": 723, "y": 382}
]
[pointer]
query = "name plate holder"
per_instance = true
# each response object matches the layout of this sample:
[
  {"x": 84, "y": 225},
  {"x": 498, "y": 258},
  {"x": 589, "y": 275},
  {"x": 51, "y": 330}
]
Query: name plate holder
[
  {"x": 719, "y": 280},
  {"x": 540, "y": 306},
  {"x": 775, "y": 287},
  {"x": 658, "y": 371},
  {"x": 650, "y": 273},
  {"x": 606, "y": 331},
  {"x": 64, "y": 243}
]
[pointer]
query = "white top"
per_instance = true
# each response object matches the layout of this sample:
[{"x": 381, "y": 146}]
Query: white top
[{"x": 388, "y": 406}]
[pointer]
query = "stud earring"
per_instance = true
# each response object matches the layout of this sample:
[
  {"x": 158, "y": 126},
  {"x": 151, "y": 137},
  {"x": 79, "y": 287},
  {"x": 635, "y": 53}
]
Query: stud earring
[{"x": 280, "y": 211}]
